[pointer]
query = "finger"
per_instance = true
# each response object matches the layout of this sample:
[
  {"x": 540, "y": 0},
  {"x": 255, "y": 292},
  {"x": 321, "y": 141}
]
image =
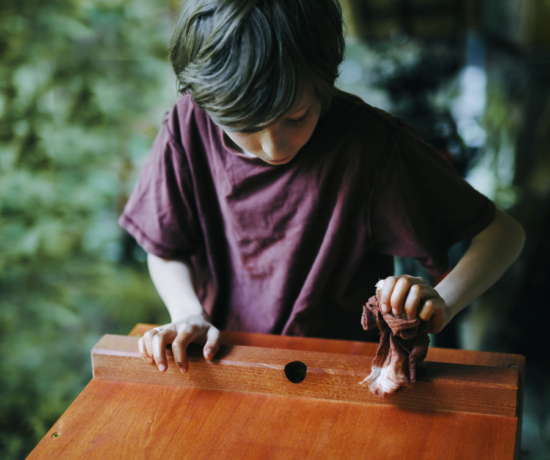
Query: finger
[
  {"x": 437, "y": 319},
  {"x": 186, "y": 335},
  {"x": 401, "y": 291},
  {"x": 160, "y": 340},
  {"x": 143, "y": 351},
  {"x": 213, "y": 342},
  {"x": 179, "y": 348},
  {"x": 427, "y": 310},
  {"x": 413, "y": 300},
  {"x": 148, "y": 342},
  {"x": 399, "y": 294},
  {"x": 387, "y": 290}
]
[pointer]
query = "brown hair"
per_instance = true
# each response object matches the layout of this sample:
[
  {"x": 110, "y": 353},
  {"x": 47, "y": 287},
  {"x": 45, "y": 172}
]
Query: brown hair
[{"x": 246, "y": 61}]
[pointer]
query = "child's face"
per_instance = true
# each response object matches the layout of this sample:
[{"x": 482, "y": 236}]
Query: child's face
[{"x": 279, "y": 143}]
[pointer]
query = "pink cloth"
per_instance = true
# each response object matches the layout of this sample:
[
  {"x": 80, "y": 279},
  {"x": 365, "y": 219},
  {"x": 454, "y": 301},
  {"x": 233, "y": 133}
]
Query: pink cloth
[
  {"x": 402, "y": 350},
  {"x": 294, "y": 249}
]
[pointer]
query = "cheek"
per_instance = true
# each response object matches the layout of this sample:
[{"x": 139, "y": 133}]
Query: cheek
[{"x": 243, "y": 142}]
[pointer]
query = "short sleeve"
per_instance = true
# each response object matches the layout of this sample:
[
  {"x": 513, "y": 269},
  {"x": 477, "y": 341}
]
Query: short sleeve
[
  {"x": 161, "y": 213},
  {"x": 421, "y": 206}
]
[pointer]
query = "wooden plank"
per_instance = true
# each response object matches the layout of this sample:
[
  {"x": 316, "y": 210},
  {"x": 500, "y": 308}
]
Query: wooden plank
[
  {"x": 283, "y": 342},
  {"x": 135, "y": 421},
  {"x": 330, "y": 376},
  {"x": 504, "y": 360},
  {"x": 479, "y": 358}
]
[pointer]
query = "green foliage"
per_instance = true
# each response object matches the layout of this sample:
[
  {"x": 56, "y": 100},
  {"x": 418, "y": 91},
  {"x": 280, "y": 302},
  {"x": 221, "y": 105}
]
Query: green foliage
[{"x": 83, "y": 85}]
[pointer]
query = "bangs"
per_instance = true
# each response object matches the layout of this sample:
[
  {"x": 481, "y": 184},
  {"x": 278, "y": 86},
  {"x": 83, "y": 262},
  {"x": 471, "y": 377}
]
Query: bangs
[{"x": 247, "y": 62}]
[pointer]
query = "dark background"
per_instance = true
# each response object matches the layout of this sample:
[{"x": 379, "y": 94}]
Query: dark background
[{"x": 83, "y": 86}]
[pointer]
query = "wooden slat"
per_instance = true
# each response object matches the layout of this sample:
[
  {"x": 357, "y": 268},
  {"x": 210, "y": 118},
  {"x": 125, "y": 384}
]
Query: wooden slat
[
  {"x": 130, "y": 421},
  {"x": 330, "y": 376},
  {"x": 283, "y": 342},
  {"x": 478, "y": 358}
]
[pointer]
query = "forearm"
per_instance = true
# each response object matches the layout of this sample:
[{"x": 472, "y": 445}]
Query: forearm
[
  {"x": 490, "y": 254},
  {"x": 190, "y": 322},
  {"x": 173, "y": 281}
]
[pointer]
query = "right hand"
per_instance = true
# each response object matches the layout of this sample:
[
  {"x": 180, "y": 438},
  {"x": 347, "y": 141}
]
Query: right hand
[{"x": 196, "y": 328}]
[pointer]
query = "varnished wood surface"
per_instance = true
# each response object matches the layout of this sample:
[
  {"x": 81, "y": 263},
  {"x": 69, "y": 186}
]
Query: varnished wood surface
[
  {"x": 122, "y": 420},
  {"x": 331, "y": 376},
  {"x": 137, "y": 421},
  {"x": 443, "y": 355}
]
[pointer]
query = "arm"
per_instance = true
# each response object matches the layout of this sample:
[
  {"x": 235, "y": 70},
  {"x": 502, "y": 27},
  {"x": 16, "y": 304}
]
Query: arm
[
  {"x": 490, "y": 254},
  {"x": 190, "y": 323}
]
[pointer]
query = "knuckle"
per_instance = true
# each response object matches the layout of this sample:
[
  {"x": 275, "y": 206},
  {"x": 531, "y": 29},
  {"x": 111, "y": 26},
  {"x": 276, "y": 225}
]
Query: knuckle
[
  {"x": 186, "y": 331},
  {"x": 402, "y": 281},
  {"x": 190, "y": 328},
  {"x": 158, "y": 336},
  {"x": 176, "y": 347}
]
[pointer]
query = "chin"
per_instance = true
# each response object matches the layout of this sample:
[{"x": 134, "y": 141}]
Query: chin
[{"x": 282, "y": 161}]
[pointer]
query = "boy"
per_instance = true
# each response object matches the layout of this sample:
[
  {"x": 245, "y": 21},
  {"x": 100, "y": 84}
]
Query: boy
[{"x": 273, "y": 203}]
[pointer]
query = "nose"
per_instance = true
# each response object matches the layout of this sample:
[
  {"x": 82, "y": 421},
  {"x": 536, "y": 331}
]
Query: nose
[{"x": 274, "y": 143}]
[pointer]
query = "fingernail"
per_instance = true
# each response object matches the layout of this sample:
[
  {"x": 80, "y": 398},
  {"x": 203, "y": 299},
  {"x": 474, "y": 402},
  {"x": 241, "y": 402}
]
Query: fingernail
[
  {"x": 208, "y": 354},
  {"x": 162, "y": 367},
  {"x": 385, "y": 308},
  {"x": 394, "y": 312},
  {"x": 183, "y": 370},
  {"x": 149, "y": 360}
]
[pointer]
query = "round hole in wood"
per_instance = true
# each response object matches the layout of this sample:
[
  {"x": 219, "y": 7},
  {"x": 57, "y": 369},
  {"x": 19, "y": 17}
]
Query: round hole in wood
[{"x": 296, "y": 371}]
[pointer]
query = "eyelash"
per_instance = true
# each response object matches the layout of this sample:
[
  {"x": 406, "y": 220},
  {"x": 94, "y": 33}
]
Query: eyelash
[{"x": 298, "y": 121}]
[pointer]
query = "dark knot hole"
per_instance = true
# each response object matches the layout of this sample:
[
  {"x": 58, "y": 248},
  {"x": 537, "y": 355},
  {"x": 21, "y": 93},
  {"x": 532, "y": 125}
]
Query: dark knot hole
[{"x": 296, "y": 371}]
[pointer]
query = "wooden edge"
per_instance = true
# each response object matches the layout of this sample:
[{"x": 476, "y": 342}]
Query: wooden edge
[
  {"x": 447, "y": 387},
  {"x": 519, "y": 405},
  {"x": 140, "y": 328},
  {"x": 283, "y": 342},
  {"x": 444, "y": 355}
]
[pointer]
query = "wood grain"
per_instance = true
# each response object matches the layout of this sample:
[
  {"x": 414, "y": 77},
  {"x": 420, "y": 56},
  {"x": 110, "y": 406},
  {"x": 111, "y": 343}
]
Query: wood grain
[
  {"x": 137, "y": 421},
  {"x": 478, "y": 358},
  {"x": 125, "y": 420},
  {"x": 481, "y": 358},
  {"x": 330, "y": 376}
]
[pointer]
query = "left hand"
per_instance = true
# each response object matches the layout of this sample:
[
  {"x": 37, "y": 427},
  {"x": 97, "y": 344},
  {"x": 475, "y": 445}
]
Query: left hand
[{"x": 413, "y": 295}]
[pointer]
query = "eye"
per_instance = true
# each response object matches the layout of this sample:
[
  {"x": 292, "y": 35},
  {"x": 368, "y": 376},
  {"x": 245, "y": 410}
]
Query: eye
[{"x": 298, "y": 121}]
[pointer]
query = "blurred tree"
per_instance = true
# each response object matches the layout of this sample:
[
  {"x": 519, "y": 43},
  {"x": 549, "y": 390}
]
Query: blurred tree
[{"x": 83, "y": 85}]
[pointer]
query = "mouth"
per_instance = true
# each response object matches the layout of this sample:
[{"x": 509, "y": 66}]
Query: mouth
[{"x": 282, "y": 160}]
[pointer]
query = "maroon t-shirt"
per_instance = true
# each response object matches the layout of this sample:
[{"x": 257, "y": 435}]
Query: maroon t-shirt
[{"x": 297, "y": 248}]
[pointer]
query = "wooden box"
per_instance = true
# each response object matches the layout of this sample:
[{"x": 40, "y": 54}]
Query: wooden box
[{"x": 243, "y": 405}]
